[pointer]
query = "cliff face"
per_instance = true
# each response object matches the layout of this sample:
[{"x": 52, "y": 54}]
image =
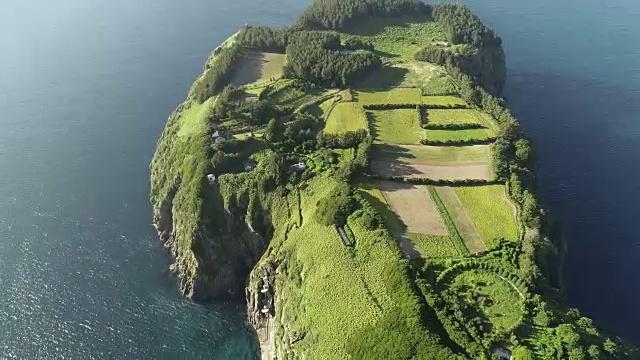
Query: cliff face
[
  {"x": 488, "y": 66},
  {"x": 213, "y": 247}
]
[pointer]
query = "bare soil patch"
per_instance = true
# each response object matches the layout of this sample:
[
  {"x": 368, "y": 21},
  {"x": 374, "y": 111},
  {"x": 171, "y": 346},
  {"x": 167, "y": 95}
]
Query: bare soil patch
[
  {"x": 436, "y": 171},
  {"x": 259, "y": 66},
  {"x": 415, "y": 207},
  {"x": 461, "y": 219}
]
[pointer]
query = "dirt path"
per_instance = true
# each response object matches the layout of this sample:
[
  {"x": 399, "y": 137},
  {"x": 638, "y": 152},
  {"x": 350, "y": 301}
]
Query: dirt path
[
  {"x": 463, "y": 223},
  {"x": 267, "y": 340}
]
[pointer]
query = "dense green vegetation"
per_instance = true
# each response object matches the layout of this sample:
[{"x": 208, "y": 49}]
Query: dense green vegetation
[{"x": 268, "y": 171}]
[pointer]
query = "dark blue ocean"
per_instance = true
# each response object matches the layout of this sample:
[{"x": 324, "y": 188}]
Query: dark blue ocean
[{"x": 85, "y": 90}]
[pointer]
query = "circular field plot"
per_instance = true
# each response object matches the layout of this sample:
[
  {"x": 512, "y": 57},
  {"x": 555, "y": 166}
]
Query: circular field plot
[{"x": 488, "y": 298}]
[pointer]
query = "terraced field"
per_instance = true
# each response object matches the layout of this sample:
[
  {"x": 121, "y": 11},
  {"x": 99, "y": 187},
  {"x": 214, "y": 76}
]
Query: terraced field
[
  {"x": 459, "y": 135},
  {"x": 421, "y": 154},
  {"x": 400, "y": 126},
  {"x": 445, "y": 171},
  {"x": 454, "y": 116},
  {"x": 346, "y": 116},
  {"x": 491, "y": 212}
]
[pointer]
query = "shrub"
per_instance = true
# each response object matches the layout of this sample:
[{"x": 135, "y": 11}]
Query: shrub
[{"x": 335, "y": 208}]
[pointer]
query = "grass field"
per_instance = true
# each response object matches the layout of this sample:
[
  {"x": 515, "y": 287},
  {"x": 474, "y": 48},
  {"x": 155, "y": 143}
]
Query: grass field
[
  {"x": 346, "y": 116},
  {"x": 395, "y": 96},
  {"x": 454, "y": 116},
  {"x": 490, "y": 298},
  {"x": 433, "y": 246},
  {"x": 400, "y": 126},
  {"x": 397, "y": 38},
  {"x": 467, "y": 230},
  {"x": 442, "y": 100},
  {"x": 259, "y": 66},
  {"x": 491, "y": 212},
  {"x": 421, "y": 154},
  {"x": 459, "y": 135}
]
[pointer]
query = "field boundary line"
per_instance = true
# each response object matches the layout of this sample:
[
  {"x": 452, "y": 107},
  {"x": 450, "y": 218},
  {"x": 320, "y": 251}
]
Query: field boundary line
[{"x": 454, "y": 235}]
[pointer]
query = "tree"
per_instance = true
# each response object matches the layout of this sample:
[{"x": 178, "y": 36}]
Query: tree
[
  {"x": 334, "y": 208},
  {"x": 594, "y": 352},
  {"x": 610, "y": 347},
  {"x": 522, "y": 353},
  {"x": 524, "y": 152},
  {"x": 273, "y": 131}
]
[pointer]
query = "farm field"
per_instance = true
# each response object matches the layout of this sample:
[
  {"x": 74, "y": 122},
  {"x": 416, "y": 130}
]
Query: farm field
[
  {"x": 459, "y": 135},
  {"x": 454, "y": 116},
  {"x": 346, "y": 116},
  {"x": 394, "y": 96},
  {"x": 432, "y": 246},
  {"x": 422, "y": 154},
  {"x": 259, "y": 66},
  {"x": 443, "y": 171},
  {"x": 413, "y": 244},
  {"x": 397, "y": 38},
  {"x": 491, "y": 212},
  {"x": 467, "y": 230},
  {"x": 486, "y": 294},
  {"x": 442, "y": 100},
  {"x": 400, "y": 126},
  {"x": 414, "y": 207}
]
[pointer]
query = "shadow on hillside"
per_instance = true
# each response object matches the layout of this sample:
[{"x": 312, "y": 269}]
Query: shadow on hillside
[
  {"x": 250, "y": 68},
  {"x": 384, "y": 78},
  {"x": 389, "y": 168},
  {"x": 390, "y": 152}
]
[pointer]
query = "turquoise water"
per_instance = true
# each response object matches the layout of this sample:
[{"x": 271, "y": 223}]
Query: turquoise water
[{"x": 87, "y": 86}]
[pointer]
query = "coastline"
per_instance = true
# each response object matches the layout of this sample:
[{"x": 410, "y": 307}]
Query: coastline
[{"x": 227, "y": 218}]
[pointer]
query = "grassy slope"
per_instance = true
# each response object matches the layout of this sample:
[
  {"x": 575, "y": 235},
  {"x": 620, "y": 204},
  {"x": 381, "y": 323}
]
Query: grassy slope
[
  {"x": 181, "y": 155},
  {"x": 346, "y": 116},
  {"x": 351, "y": 291},
  {"x": 503, "y": 310},
  {"x": 490, "y": 211}
]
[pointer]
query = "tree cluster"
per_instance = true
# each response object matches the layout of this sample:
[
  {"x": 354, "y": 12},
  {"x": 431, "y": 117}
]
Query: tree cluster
[
  {"x": 346, "y": 140},
  {"x": 263, "y": 38},
  {"x": 315, "y": 57},
  {"x": 464, "y": 27},
  {"x": 339, "y": 14},
  {"x": 217, "y": 76},
  {"x": 336, "y": 207}
]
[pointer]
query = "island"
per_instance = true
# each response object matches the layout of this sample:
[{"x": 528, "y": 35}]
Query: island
[{"x": 357, "y": 179}]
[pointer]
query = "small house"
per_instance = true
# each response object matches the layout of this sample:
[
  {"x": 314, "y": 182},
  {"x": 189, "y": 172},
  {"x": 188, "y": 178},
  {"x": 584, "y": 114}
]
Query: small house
[
  {"x": 211, "y": 178},
  {"x": 440, "y": 43},
  {"x": 503, "y": 353},
  {"x": 251, "y": 98},
  {"x": 218, "y": 136},
  {"x": 301, "y": 166},
  {"x": 249, "y": 165}
]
